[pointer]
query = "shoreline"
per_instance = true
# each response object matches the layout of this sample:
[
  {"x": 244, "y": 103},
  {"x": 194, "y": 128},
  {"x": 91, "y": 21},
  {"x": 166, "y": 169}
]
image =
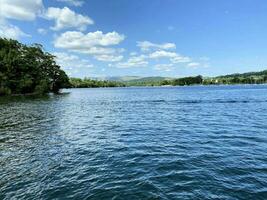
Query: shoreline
[
  {"x": 168, "y": 86},
  {"x": 137, "y": 86}
]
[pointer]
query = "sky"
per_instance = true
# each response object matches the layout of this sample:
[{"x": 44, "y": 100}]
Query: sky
[{"x": 173, "y": 38}]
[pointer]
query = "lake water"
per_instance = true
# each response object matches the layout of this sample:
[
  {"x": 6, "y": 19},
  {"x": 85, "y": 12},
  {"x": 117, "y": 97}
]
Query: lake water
[{"x": 136, "y": 143}]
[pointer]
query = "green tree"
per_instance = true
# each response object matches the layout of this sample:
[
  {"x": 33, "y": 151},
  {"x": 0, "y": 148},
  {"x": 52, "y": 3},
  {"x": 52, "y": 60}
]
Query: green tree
[{"x": 28, "y": 69}]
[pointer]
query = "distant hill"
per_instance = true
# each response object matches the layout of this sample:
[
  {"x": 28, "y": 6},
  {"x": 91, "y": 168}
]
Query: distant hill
[
  {"x": 244, "y": 78},
  {"x": 151, "y": 78},
  {"x": 116, "y": 78},
  {"x": 123, "y": 78},
  {"x": 244, "y": 75},
  {"x": 147, "y": 81},
  {"x": 133, "y": 78}
]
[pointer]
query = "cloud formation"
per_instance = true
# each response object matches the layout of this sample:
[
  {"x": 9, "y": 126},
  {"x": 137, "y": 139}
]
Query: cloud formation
[
  {"x": 135, "y": 61},
  {"x": 10, "y": 31},
  {"x": 20, "y": 10},
  {"x": 100, "y": 46},
  {"x": 173, "y": 56},
  {"x": 78, "y": 40},
  {"x": 66, "y": 18},
  {"x": 96, "y": 44},
  {"x": 169, "y": 58},
  {"x": 162, "y": 54},
  {"x": 68, "y": 61},
  {"x": 108, "y": 58},
  {"x": 146, "y": 46},
  {"x": 42, "y": 31},
  {"x": 164, "y": 67},
  {"x": 193, "y": 64},
  {"x": 76, "y": 3},
  {"x": 180, "y": 59}
]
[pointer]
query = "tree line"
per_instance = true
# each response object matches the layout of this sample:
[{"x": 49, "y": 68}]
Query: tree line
[
  {"x": 192, "y": 80},
  {"x": 28, "y": 69},
  {"x": 90, "y": 83},
  {"x": 247, "y": 78}
]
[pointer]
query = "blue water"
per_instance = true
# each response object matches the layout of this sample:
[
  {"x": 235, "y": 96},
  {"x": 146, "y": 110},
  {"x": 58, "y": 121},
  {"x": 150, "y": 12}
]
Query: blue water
[{"x": 136, "y": 143}]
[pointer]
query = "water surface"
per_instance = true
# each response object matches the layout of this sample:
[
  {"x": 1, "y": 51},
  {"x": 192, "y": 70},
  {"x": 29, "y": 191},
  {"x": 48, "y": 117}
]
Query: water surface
[{"x": 136, "y": 143}]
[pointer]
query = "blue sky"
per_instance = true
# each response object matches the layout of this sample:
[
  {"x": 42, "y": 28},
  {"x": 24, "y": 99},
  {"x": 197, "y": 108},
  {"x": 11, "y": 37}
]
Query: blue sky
[{"x": 144, "y": 37}]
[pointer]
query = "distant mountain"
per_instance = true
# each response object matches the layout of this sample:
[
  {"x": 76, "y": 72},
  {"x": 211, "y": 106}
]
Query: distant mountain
[
  {"x": 116, "y": 78},
  {"x": 123, "y": 78},
  {"x": 133, "y": 78},
  {"x": 151, "y": 78},
  {"x": 147, "y": 81}
]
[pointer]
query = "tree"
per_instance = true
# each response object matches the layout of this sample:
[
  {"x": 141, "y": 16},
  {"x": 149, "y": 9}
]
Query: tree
[{"x": 28, "y": 69}]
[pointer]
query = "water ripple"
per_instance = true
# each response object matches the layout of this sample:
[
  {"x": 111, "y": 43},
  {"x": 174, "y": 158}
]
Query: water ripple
[{"x": 135, "y": 143}]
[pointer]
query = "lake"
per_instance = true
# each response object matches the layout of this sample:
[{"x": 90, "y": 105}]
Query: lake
[{"x": 199, "y": 142}]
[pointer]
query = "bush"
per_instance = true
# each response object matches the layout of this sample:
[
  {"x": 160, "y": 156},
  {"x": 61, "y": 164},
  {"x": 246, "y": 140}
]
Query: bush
[
  {"x": 4, "y": 91},
  {"x": 42, "y": 87}
]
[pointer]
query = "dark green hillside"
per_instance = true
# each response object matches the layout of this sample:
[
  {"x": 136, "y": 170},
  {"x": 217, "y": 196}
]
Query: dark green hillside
[
  {"x": 148, "y": 81},
  {"x": 245, "y": 78}
]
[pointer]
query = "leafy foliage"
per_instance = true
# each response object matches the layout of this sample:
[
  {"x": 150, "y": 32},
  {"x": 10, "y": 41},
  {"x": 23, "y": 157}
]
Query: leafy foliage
[
  {"x": 28, "y": 69},
  {"x": 187, "y": 81}
]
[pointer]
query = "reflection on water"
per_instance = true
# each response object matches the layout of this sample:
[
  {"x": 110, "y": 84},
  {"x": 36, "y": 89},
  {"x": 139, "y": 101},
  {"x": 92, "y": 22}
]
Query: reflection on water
[{"x": 135, "y": 143}]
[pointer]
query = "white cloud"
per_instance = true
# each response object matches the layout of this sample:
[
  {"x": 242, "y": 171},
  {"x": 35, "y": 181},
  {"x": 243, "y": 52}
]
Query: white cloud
[
  {"x": 108, "y": 58},
  {"x": 96, "y": 44},
  {"x": 69, "y": 62},
  {"x": 136, "y": 61},
  {"x": 133, "y": 53},
  {"x": 77, "y": 3},
  {"x": 193, "y": 64},
  {"x": 163, "y": 54},
  {"x": 10, "y": 31},
  {"x": 146, "y": 46},
  {"x": 180, "y": 59},
  {"x": 66, "y": 18},
  {"x": 78, "y": 40},
  {"x": 42, "y": 31},
  {"x": 20, "y": 10},
  {"x": 96, "y": 50},
  {"x": 164, "y": 67},
  {"x": 173, "y": 56}
]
